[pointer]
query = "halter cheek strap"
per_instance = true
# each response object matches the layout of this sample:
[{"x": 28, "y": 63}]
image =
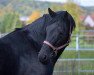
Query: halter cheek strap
[{"x": 55, "y": 49}]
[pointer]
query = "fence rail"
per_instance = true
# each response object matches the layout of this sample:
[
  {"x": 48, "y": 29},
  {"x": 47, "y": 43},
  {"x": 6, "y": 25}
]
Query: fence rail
[
  {"x": 81, "y": 42},
  {"x": 74, "y": 67}
]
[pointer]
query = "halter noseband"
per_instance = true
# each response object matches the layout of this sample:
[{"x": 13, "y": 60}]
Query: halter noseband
[{"x": 55, "y": 49}]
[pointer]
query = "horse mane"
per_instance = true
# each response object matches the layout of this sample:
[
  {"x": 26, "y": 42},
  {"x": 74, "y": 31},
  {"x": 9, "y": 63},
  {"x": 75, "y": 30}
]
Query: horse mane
[{"x": 72, "y": 22}]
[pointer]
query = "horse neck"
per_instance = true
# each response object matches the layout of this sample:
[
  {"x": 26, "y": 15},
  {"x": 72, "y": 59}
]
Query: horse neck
[{"x": 37, "y": 32}]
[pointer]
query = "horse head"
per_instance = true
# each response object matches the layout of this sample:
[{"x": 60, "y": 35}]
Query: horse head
[{"x": 58, "y": 33}]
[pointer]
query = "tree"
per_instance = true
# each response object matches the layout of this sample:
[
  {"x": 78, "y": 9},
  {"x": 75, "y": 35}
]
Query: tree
[
  {"x": 35, "y": 15},
  {"x": 9, "y": 21}
]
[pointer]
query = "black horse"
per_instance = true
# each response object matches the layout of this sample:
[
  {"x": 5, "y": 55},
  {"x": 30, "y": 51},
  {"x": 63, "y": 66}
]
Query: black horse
[{"x": 35, "y": 48}]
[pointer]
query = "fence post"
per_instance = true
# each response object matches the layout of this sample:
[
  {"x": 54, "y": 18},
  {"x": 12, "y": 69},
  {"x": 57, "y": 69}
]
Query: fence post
[
  {"x": 78, "y": 53},
  {"x": 77, "y": 42},
  {"x": 0, "y": 34}
]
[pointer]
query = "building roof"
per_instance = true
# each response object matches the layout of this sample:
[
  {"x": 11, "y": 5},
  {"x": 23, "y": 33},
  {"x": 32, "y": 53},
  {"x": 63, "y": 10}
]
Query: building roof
[{"x": 89, "y": 21}]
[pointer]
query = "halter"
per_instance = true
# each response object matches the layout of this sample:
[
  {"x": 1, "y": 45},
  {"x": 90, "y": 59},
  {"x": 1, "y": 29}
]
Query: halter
[{"x": 55, "y": 49}]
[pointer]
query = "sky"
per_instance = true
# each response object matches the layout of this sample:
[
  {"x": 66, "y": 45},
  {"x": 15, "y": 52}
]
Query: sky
[
  {"x": 86, "y": 2},
  {"x": 80, "y": 2}
]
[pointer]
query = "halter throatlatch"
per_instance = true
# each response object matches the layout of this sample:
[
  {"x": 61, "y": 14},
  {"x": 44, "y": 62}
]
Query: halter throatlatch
[{"x": 55, "y": 49}]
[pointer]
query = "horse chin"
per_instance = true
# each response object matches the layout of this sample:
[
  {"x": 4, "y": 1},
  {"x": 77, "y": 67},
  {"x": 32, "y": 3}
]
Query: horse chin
[{"x": 44, "y": 62}]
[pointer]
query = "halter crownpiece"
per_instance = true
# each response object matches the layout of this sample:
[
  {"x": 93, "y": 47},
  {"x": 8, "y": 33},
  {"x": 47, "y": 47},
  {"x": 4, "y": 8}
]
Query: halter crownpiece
[{"x": 55, "y": 49}]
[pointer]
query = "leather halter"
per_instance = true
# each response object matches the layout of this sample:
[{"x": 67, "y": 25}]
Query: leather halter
[{"x": 55, "y": 49}]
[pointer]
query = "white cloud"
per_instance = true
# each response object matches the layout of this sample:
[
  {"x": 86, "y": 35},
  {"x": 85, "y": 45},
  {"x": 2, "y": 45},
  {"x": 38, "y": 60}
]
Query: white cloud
[{"x": 87, "y": 2}]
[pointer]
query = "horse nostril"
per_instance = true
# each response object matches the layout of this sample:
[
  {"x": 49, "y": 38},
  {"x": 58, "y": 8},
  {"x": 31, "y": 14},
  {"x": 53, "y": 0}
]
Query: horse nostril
[{"x": 44, "y": 57}]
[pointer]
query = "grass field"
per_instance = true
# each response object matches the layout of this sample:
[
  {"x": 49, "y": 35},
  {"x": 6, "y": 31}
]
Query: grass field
[
  {"x": 75, "y": 67},
  {"x": 74, "y": 54}
]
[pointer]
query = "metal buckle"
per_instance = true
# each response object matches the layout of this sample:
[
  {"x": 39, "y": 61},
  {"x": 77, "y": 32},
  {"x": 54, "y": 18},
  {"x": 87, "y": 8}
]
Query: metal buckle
[{"x": 55, "y": 50}]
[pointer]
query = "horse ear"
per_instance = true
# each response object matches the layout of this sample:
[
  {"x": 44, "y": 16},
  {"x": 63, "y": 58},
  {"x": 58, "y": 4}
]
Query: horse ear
[
  {"x": 66, "y": 14},
  {"x": 52, "y": 13}
]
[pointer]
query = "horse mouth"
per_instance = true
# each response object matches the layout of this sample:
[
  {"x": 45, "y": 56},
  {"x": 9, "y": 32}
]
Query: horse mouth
[{"x": 43, "y": 59}]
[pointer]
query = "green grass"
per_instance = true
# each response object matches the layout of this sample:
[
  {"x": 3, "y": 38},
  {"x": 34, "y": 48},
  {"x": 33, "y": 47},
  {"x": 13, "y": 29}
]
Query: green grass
[
  {"x": 74, "y": 54},
  {"x": 87, "y": 54},
  {"x": 73, "y": 65}
]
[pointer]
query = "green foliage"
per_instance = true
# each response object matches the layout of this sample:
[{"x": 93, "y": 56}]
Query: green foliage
[
  {"x": 69, "y": 54},
  {"x": 9, "y": 19},
  {"x": 9, "y": 22}
]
